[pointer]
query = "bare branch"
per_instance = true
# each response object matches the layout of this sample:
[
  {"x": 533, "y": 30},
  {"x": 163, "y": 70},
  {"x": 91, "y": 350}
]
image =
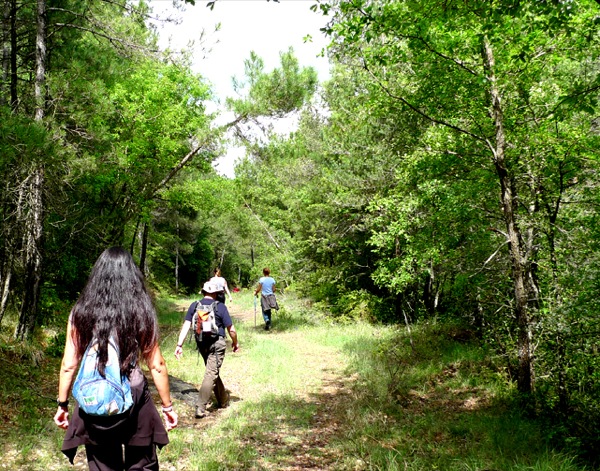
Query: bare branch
[
  {"x": 419, "y": 111},
  {"x": 111, "y": 39},
  {"x": 264, "y": 226}
]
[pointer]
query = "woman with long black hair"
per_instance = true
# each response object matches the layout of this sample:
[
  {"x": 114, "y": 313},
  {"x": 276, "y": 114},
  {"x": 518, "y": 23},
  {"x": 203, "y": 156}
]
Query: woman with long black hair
[{"x": 115, "y": 304}]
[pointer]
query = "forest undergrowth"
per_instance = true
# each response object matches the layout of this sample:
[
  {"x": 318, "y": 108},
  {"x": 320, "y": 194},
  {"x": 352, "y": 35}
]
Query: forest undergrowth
[{"x": 310, "y": 394}]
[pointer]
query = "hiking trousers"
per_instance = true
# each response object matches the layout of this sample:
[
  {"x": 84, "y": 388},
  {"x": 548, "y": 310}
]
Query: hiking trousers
[
  {"x": 110, "y": 457},
  {"x": 213, "y": 355}
]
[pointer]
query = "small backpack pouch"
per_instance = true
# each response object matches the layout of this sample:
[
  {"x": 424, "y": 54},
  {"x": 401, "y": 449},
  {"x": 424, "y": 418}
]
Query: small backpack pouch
[
  {"x": 204, "y": 322},
  {"x": 209, "y": 327},
  {"x": 97, "y": 395}
]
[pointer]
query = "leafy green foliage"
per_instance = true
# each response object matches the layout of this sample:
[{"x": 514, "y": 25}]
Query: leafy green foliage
[
  {"x": 276, "y": 93},
  {"x": 387, "y": 203},
  {"x": 397, "y": 192}
]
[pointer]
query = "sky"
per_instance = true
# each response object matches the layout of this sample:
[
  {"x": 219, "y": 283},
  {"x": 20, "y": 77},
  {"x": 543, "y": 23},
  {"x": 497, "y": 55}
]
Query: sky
[{"x": 264, "y": 27}]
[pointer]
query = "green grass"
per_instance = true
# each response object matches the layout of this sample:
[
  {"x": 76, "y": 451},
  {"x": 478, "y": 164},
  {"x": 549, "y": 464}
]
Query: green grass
[
  {"x": 310, "y": 393},
  {"x": 438, "y": 406}
]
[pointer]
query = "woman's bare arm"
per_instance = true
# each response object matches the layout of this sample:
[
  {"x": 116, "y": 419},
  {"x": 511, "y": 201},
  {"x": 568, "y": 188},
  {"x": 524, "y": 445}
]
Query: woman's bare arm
[
  {"x": 68, "y": 367},
  {"x": 160, "y": 376}
]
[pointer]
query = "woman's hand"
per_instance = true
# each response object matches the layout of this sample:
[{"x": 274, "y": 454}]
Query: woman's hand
[
  {"x": 61, "y": 418},
  {"x": 170, "y": 417}
]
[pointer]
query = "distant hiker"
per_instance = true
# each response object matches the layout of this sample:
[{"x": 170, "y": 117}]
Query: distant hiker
[
  {"x": 266, "y": 286},
  {"x": 211, "y": 347},
  {"x": 222, "y": 285},
  {"x": 115, "y": 305}
]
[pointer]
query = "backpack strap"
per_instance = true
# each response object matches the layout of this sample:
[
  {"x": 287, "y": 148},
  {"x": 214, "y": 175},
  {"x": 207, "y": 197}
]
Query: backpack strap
[
  {"x": 215, "y": 308},
  {"x": 191, "y": 331}
]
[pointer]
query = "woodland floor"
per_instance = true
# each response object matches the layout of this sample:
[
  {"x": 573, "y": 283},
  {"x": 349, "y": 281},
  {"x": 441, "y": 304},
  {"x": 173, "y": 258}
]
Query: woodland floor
[{"x": 311, "y": 422}]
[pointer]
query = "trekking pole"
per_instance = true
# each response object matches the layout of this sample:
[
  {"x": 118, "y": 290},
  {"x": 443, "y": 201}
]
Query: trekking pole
[{"x": 254, "y": 310}]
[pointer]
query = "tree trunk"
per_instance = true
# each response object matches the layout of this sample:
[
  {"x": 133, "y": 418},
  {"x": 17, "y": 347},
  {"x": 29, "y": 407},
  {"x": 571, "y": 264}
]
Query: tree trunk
[
  {"x": 7, "y": 249},
  {"x": 6, "y": 24},
  {"x": 33, "y": 252},
  {"x": 143, "y": 249},
  {"x": 34, "y": 188},
  {"x": 520, "y": 268},
  {"x": 9, "y": 54},
  {"x": 135, "y": 234},
  {"x": 40, "y": 61},
  {"x": 430, "y": 295},
  {"x": 177, "y": 269},
  {"x": 5, "y": 289},
  {"x": 563, "y": 391},
  {"x": 177, "y": 261}
]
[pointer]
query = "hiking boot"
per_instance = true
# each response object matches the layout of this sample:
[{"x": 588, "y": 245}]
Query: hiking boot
[
  {"x": 226, "y": 403},
  {"x": 200, "y": 413},
  {"x": 268, "y": 325}
]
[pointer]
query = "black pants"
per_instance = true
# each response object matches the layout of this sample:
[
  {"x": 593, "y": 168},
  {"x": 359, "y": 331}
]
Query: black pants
[{"x": 110, "y": 458}]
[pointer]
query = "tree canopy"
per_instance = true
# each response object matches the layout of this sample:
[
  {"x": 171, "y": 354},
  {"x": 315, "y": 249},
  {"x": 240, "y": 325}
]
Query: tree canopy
[{"x": 447, "y": 171}]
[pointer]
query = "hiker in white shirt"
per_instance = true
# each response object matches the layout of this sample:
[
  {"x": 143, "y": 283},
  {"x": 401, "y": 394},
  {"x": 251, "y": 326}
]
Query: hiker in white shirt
[{"x": 221, "y": 283}]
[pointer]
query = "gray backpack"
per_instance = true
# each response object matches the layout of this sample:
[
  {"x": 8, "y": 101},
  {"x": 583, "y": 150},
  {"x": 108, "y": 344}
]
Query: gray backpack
[{"x": 204, "y": 324}]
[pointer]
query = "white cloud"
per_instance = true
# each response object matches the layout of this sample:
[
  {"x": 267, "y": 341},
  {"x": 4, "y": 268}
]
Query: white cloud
[{"x": 267, "y": 28}]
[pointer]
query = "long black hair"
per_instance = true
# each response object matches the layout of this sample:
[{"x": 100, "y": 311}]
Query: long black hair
[{"x": 115, "y": 303}]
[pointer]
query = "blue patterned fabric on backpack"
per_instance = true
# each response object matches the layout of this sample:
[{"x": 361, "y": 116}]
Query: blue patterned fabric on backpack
[{"x": 97, "y": 395}]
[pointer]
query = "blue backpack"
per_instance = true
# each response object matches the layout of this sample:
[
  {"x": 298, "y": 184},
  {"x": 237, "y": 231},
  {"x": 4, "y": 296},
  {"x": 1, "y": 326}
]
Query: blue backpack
[{"x": 97, "y": 395}]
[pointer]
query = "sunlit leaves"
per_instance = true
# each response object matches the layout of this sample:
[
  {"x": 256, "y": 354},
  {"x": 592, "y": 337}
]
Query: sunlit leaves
[{"x": 158, "y": 113}]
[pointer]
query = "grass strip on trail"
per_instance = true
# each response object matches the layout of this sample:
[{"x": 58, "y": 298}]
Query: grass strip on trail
[
  {"x": 310, "y": 395},
  {"x": 276, "y": 383}
]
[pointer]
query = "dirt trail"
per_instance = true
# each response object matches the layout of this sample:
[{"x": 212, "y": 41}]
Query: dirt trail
[
  {"x": 306, "y": 449},
  {"x": 313, "y": 451},
  {"x": 302, "y": 449}
]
